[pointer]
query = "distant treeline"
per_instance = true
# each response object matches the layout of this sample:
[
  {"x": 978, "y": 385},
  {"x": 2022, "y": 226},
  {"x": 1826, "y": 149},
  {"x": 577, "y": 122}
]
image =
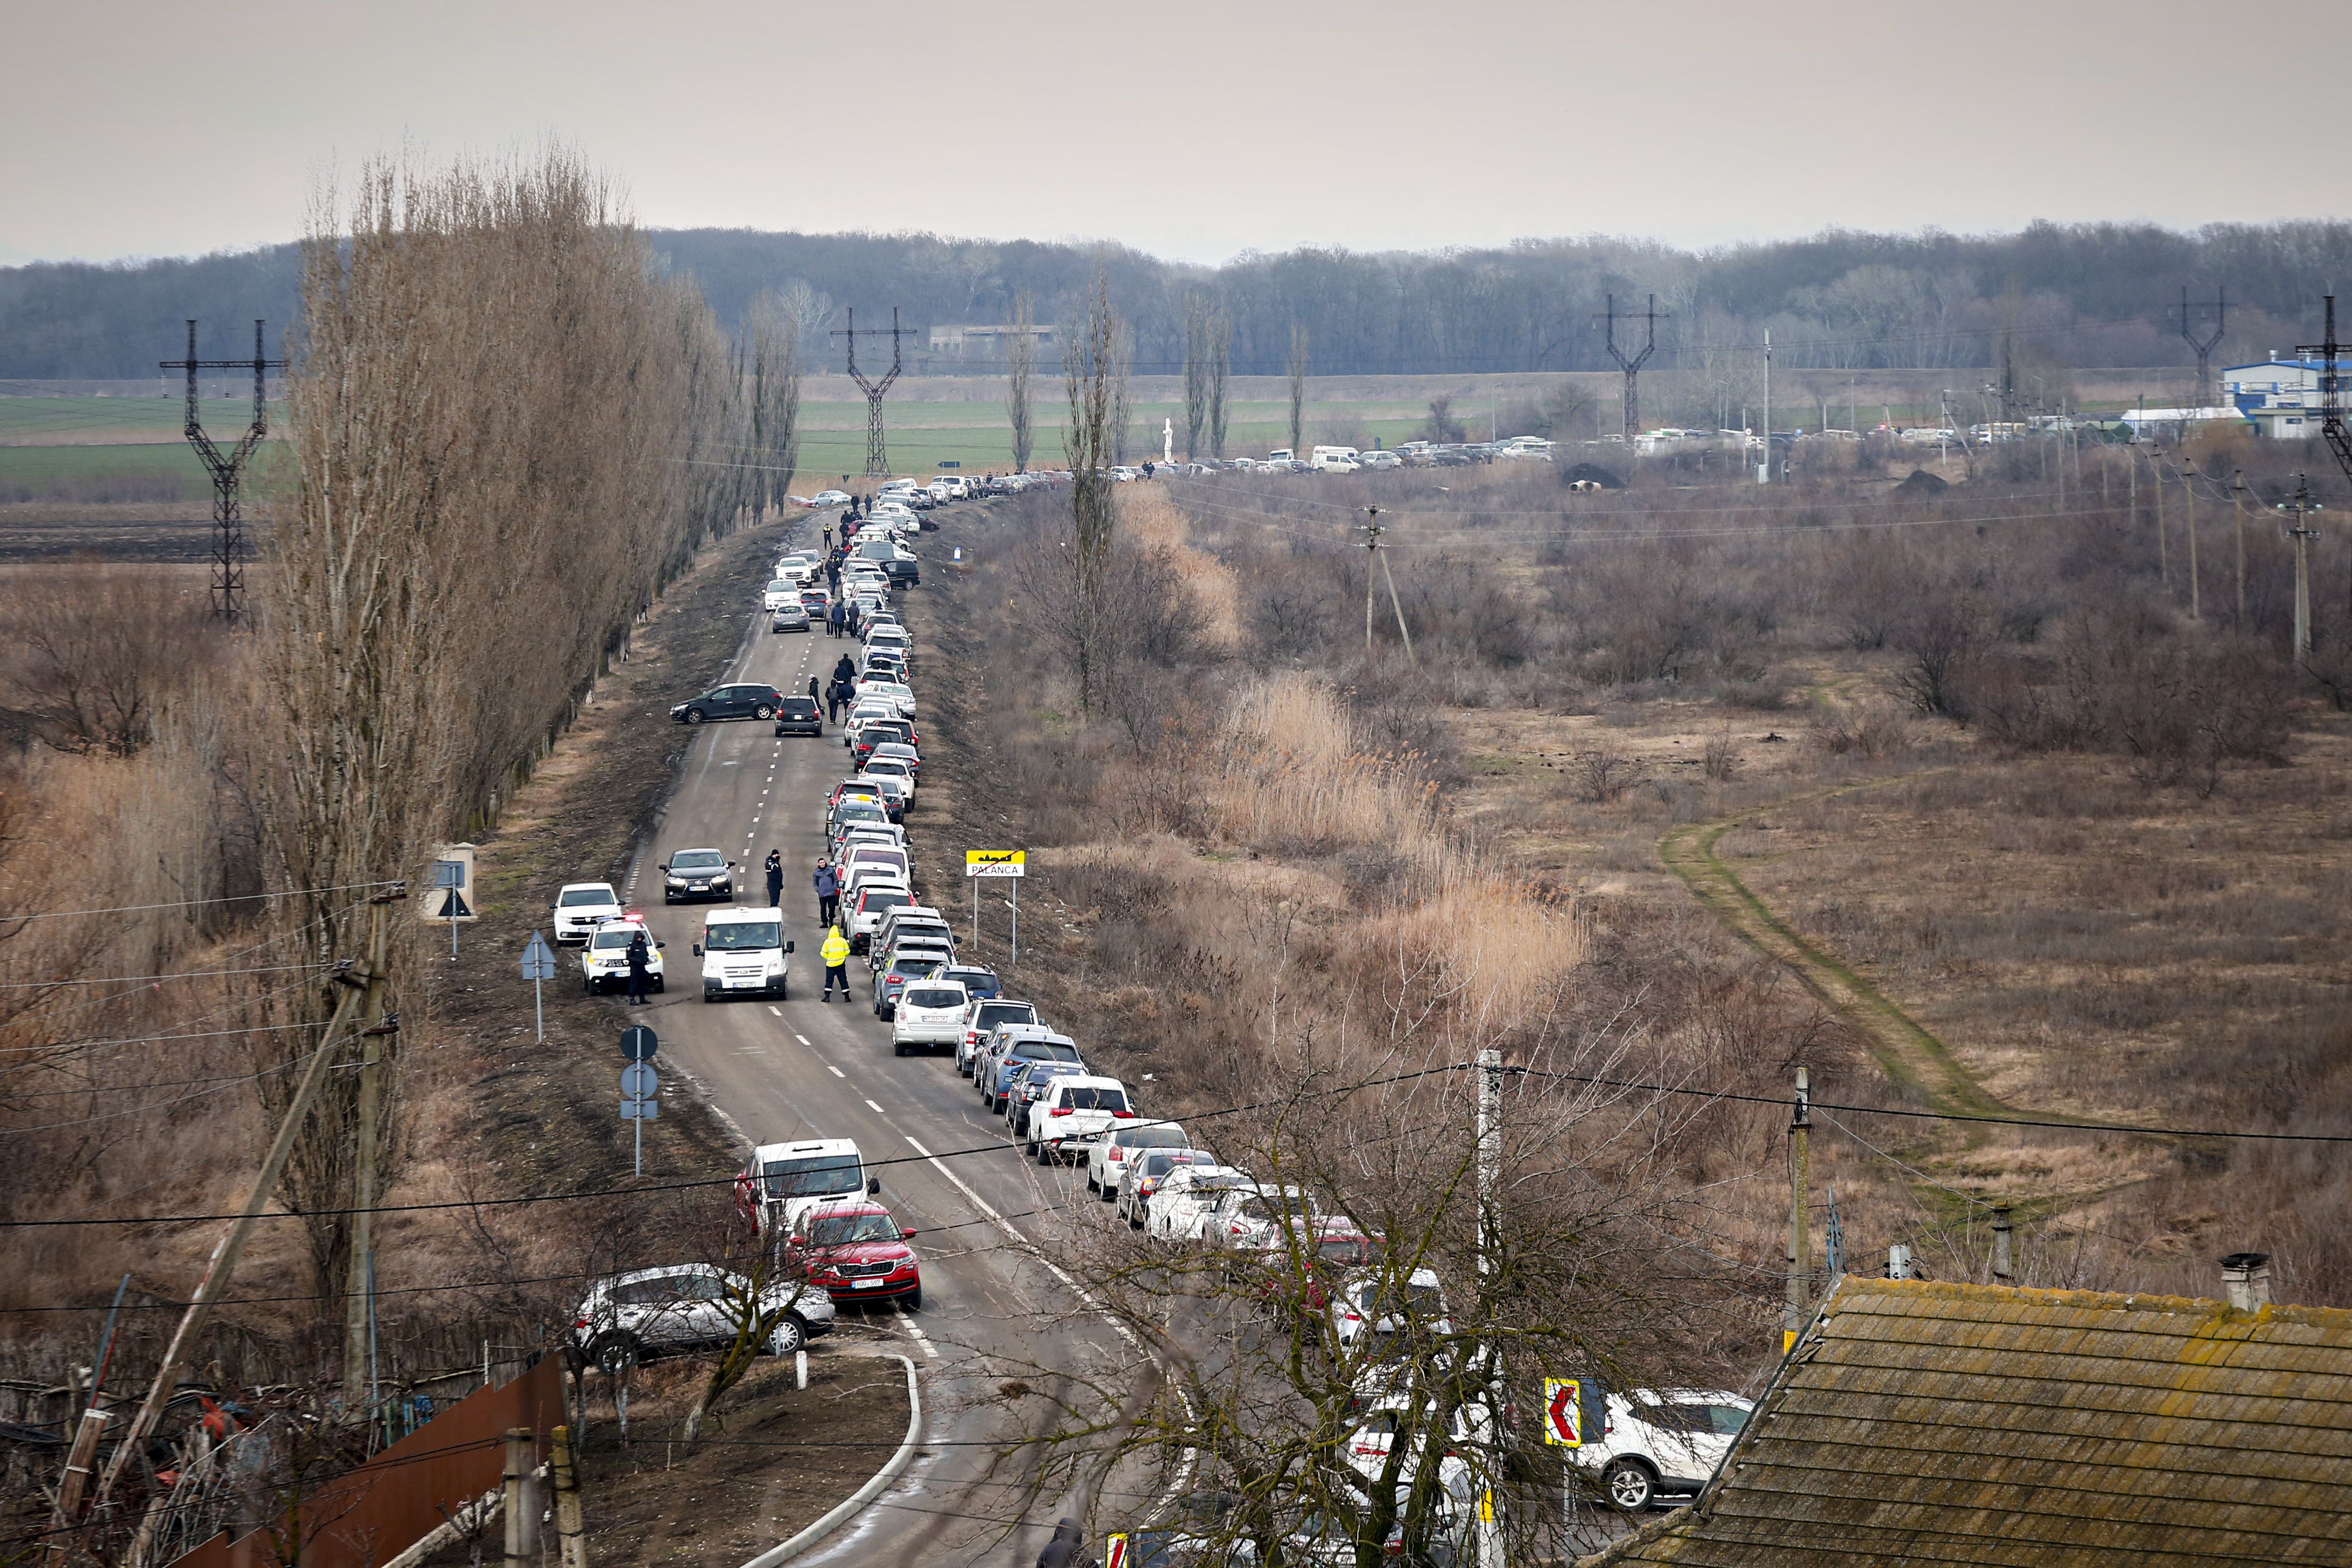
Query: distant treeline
[{"x": 2058, "y": 295}]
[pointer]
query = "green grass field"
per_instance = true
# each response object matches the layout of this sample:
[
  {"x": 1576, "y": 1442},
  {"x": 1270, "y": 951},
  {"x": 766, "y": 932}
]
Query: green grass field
[{"x": 88, "y": 449}]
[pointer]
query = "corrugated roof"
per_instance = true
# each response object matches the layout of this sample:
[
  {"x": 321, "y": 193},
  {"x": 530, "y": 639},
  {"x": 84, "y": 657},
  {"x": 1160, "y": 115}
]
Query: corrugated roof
[{"x": 1932, "y": 1423}]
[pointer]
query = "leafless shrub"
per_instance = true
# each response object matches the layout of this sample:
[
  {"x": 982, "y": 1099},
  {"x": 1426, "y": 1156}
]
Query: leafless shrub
[
  {"x": 1719, "y": 762},
  {"x": 1938, "y": 644},
  {"x": 1605, "y": 774},
  {"x": 98, "y": 651},
  {"x": 1871, "y": 731}
]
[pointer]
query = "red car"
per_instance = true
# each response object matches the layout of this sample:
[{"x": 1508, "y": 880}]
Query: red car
[{"x": 856, "y": 1252}]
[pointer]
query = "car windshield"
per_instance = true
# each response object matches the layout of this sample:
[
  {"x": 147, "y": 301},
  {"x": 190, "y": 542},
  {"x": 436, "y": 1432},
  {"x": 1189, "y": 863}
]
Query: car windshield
[
  {"x": 698, "y": 860},
  {"x": 738, "y": 934},
  {"x": 614, "y": 938},
  {"x": 935, "y": 997},
  {"x": 811, "y": 1176},
  {"x": 1093, "y": 1097},
  {"x": 780, "y": 586},
  {"x": 878, "y": 899},
  {"x": 843, "y": 1229},
  {"x": 580, "y": 896}
]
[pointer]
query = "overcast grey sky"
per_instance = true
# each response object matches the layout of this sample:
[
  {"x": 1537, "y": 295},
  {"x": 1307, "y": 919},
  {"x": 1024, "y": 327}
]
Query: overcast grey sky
[{"x": 1194, "y": 130}]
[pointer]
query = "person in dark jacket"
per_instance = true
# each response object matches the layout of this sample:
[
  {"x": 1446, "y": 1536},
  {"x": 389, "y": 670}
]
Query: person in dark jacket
[
  {"x": 1067, "y": 1549},
  {"x": 844, "y": 669},
  {"x": 640, "y": 958},
  {"x": 812, "y": 688},
  {"x": 829, "y": 892},
  {"x": 776, "y": 861}
]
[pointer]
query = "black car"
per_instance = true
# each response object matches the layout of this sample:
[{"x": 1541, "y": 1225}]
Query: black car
[
  {"x": 751, "y": 701},
  {"x": 698, "y": 873},
  {"x": 799, "y": 716}
]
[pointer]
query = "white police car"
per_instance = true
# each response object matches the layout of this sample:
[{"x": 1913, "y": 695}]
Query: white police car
[{"x": 605, "y": 962}]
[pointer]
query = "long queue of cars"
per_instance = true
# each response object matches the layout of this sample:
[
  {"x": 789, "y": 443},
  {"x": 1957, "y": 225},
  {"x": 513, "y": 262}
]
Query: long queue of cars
[{"x": 818, "y": 1208}]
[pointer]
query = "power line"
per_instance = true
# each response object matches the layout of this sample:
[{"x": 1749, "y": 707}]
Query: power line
[
  {"x": 192, "y": 903},
  {"x": 142, "y": 979}
]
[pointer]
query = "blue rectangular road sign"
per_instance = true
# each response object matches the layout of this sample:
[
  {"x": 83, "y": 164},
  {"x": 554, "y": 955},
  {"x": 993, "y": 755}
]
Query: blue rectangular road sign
[{"x": 640, "y": 1109}]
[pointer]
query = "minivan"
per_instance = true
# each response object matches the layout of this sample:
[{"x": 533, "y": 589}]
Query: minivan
[{"x": 742, "y": 953}]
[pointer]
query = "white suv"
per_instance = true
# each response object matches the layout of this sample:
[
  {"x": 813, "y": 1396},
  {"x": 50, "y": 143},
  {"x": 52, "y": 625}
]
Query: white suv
[
  {"x": 1074, "y": 1110},
  {"x": 606, "y": 963},
  {"x": 582, "y": 906},
  {"x": 1186, "y": 1196},
  {"x": 1657, "y": 1441},
  {"x": 630, "y": 1318},
  {"x": 1105, "y": 1159},
  {"x": 929, "y": 1012}
]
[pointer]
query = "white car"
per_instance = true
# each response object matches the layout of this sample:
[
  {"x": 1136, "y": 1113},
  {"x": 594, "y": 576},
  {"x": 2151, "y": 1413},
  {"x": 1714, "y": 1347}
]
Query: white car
[
  {"x": 900, "y": 696},
  {"x": 1074, "y": 1112},
  {"x": 580, "y": 907},
  {"x": 605, "y": 962},
  {"x": 1141, "y": 1175},
  {"x": 890, "y": 773},
  {"x": 1109, "y": 1154},
  {"x": 979, "y": 1021},
  {"x": 1253, "y": 1221},
  {"x": 1654, "y": 1442},
  {"x": 744, "y": 952},
  {"x": 830, "y": 498},
  {"x": 1186, "y": 1197},
  {"x": 1370, "y": 1305},
  {"x": 929, "y": 1012},
  {"x": 781, "y": 1182},
  {"x": 784, "y": 591}
]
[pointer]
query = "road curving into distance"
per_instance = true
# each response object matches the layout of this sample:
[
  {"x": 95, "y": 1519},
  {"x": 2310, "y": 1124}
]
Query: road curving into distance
[{"x": 801, "y": 1068}]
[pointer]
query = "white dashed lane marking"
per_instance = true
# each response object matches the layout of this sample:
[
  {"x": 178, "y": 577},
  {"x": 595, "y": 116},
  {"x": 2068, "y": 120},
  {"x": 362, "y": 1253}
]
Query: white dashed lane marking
[
  {"x": 876, "y": 1109},
  {"x": 837, "y": 1071}
]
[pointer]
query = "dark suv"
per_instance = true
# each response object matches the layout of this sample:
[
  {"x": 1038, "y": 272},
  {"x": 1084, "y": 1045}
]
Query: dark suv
[
  {"x": 751, "y": 701},
  {"x": 799, "y": 716}
]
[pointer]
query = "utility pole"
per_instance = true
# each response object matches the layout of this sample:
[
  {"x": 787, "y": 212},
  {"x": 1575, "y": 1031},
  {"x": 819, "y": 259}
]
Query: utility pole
[
  {"x": 1490, "y": 1247},
  {"x": 1764, "y": 474},
  {"x": 2189, "y": 500},
  {"x": 2331, "y": 389},
  {"x": 228, "y": 524},
  {"x": 222, "y": 1266},
  {"x": 2163, "y": 549},
  {"x": 1793, "y": 1317},
  {"x": 2203, "y": 347},
  {"x": 2238, "y": 495},
  {"x": 2004, "y": 1266},
  {"x": 377, "y": 1026},
  {"x": 1372, "y": 532},
  {"x": 2302, "y": 537},
  {"x": 1631, "y": 366},
  {"x": 878, "y": 459}
]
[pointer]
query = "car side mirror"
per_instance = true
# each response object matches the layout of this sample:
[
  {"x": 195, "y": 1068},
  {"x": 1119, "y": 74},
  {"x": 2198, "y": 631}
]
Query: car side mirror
[
  {"x": 661, "y": 944},
  {"x": 873, "y": 1186},
  {"x": 907, "y": 1235},
  {"x": 665, "y": 865},
  {"x": 697, "y": 949},
  {"x": 788, "y": 947}
]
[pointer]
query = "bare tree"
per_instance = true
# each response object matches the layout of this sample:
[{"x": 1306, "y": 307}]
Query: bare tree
[
  {"x": 1019, "y": 358},
  {"x": 1297, "y": 385},
  {"x": 1197, "y": 353},
  {"x": 1094, "y": 373},
  {"x": 772, "y": 397},
  {"x": 1221, "y": 354}
]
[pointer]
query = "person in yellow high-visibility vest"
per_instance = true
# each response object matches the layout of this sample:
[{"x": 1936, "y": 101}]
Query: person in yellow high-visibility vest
[{"x": 836, "y": 954}]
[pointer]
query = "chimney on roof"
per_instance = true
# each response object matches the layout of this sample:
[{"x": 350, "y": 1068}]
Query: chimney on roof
[
  {"x": 2003, "y": 1269},
  {"x": 2246, "y": 1280}
]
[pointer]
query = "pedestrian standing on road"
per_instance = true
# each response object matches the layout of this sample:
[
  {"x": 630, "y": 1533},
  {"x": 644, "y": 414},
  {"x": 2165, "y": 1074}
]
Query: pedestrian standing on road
[
  {"x": 812, "y": 688},
  {"x": 836, "y": 954},
  {"x": 829, "y": 892},
  {"x": 845, "y": 670},
  {"x": 832, "y": 619},
  {"x": 640, "y": 959},
  {"x": 776, "y": 877},
  {"x": 854, "y": 617}
]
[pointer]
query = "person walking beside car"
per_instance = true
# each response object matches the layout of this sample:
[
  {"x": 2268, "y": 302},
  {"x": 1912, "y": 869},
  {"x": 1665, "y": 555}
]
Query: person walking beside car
[
  {"x": 776, "y": 876},
  {"x": 640, "y": 960},
  {"x": 836, "y": 955},
  {"x": 829, "y": 892},
  {"x": 1067, "y": 1549}
]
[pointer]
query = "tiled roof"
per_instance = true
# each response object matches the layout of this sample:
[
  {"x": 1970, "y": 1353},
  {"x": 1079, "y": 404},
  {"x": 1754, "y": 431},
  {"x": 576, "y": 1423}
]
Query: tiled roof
[{"x": 1933, "y": 1423}]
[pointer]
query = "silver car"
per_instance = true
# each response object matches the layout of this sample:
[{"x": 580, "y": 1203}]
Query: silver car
[{"x": 631, "y": 1318}]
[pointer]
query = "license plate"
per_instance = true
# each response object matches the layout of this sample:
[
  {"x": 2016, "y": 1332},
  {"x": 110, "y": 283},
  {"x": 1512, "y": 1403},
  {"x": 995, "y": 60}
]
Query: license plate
[
  {"x": 863, "y": 1284},
  {"x": 743, "y": 985}
]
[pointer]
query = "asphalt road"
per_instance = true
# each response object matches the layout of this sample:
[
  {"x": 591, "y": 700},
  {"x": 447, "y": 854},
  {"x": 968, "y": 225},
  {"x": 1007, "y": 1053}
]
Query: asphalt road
[{"x": 801, "y": 1068}]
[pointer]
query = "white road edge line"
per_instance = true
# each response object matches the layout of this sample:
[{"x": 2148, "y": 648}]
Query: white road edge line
[{"x": 849, "y": 1507}]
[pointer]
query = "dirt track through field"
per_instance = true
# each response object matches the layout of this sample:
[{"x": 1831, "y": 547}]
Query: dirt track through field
[{"x": 1905, "y": 1050}]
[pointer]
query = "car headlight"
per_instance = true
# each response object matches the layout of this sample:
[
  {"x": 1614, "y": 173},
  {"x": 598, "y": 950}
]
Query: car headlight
[{"x": 677, "y": 881}]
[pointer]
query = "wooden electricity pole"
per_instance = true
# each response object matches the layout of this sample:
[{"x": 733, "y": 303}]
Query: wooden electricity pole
[
  {"x": 358, "y": 1292},
  {"x": 1792, "y": 1318}
]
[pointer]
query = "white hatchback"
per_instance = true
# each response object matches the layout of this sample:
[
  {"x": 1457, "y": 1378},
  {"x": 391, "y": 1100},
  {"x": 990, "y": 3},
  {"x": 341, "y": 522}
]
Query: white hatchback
[
  {"x": 929, "y": 1012},
  {"x": 582, "y": 906},
  {"x": 1109, "y": 1154}
]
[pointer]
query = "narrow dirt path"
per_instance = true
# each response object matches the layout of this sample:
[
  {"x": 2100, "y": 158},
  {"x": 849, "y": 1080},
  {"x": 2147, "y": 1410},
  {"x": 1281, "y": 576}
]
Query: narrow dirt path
[{"x": 1905, "y": 1050}]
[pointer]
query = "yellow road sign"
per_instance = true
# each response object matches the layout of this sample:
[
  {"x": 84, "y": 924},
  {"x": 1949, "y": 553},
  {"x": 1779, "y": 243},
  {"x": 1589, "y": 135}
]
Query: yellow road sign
[{"x": 996, "y": 862}]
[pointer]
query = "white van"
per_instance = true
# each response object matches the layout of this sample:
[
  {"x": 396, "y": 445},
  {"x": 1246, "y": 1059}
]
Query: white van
[
  {"x": 781, "y": 1182},
  {"x": 1333, "y": 460},
  {"x": 742, "y": 953}
]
